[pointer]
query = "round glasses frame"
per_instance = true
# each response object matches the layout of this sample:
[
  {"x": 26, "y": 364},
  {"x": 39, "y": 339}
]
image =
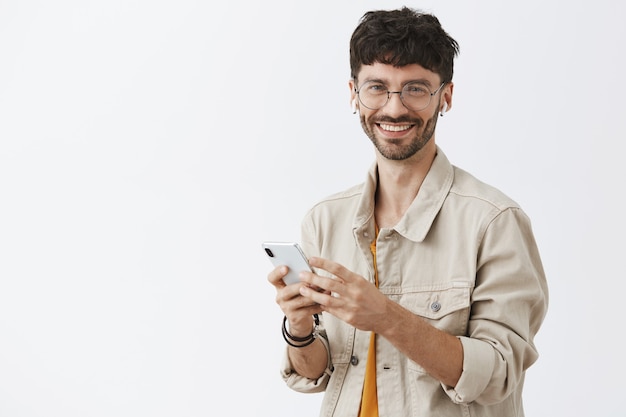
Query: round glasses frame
[{"x": 400, "y": 93}]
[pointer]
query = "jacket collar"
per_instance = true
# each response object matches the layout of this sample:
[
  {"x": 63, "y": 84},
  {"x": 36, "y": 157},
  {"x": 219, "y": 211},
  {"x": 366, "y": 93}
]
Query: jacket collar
[{"x": 419, "y": 217}]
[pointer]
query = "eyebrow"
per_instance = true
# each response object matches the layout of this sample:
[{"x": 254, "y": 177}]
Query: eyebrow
[{"x": 422, "y": 81}]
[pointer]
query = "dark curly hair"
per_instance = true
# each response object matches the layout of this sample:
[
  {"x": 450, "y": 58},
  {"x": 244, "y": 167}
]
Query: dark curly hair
[{"x": 402, "y": 37}]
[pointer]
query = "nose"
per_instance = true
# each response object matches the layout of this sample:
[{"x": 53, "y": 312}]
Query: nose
[{"x": 395, "y": 106}]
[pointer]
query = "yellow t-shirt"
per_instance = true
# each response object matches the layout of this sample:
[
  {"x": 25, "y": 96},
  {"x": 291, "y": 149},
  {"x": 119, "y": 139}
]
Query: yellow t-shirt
[{"x": 369, "y": 399}]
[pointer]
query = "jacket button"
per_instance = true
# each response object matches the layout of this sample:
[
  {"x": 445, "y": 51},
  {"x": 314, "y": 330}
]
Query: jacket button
[
  {"x": 354, "y": 360},
  {"x": 436, "y": 306}
]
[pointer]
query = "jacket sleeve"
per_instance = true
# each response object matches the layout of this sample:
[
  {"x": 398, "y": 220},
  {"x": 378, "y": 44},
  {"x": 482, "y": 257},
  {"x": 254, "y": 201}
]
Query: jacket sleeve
[
  {"x": 300, "y": 383},
  {"x": 292, "y": 379},
  {"x": 508, "y": 305}
]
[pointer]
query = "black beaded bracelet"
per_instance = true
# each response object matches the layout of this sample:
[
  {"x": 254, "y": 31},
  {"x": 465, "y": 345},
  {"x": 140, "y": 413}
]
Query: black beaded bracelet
[{"x": 302, "y": 341}]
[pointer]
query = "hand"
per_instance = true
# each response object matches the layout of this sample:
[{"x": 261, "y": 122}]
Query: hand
[
  {"x": 298, "y": 308},
  {"x": 347, "y": 296}
]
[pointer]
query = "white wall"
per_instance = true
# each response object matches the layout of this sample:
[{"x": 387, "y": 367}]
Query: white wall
[{"x": 148, "y": 147}]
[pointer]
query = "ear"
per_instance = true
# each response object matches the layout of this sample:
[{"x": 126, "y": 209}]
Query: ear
[
  {"x": 354, "y": 101},
  {"x": 446, "y": 98}
]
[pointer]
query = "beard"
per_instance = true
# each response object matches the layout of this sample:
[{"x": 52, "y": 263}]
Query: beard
[{"x": 424, "y": 132}]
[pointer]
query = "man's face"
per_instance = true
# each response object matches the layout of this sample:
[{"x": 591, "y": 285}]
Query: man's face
[{"x": 397, "y": 132}]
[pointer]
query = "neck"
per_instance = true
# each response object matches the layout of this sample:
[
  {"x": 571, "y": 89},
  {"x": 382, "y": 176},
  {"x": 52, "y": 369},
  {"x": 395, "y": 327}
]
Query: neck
[{"x": 399, "y": 183}]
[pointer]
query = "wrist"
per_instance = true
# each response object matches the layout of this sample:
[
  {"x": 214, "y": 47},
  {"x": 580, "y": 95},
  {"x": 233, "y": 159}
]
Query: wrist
[
  {"x": 299, "y": 339},
  {"x": 298, "y": 331}
]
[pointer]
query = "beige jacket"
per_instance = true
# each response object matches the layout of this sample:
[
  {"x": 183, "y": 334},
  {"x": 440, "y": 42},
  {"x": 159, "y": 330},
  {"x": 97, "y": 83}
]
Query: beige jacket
[{"x": 464, "y": 258}]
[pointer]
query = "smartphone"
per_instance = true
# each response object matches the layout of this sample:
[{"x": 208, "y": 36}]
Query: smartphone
[{"x": 290, "y": 254}]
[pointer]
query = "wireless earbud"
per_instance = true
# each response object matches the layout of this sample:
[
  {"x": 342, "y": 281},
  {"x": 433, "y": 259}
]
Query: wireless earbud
[
  {"x": 444, "y": 109},
  {"x": 353, "y": 106}
]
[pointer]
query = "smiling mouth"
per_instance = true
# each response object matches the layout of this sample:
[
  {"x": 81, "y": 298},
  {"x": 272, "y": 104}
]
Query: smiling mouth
[{"x": 394, "y": 128}]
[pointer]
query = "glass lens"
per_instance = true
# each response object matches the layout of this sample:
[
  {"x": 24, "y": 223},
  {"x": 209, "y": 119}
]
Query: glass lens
[
  {"x": 415, "y": 96},
  {"x": 373, "y": 95}
]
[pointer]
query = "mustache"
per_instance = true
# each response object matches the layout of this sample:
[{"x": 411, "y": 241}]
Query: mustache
[{"x": 398, "y": 120}]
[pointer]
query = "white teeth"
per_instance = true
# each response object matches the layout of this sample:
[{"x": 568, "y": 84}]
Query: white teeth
[{"x": 395, "y": 128}]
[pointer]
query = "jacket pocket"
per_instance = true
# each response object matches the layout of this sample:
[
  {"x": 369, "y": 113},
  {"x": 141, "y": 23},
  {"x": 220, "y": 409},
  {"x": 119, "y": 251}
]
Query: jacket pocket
[{"x": 444, "y": 306}]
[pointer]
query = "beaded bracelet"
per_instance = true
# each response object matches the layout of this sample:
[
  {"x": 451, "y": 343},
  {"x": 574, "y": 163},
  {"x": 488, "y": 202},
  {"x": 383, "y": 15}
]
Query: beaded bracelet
[{"x": 301, "y": 341}]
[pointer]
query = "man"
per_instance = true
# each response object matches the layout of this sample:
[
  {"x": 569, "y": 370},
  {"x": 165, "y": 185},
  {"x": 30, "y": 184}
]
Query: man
[{"x": 428, "y": 287}]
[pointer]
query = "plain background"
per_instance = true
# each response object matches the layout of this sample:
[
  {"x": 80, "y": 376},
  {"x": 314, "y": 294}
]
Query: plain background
[{"x": 147, "y": 148}]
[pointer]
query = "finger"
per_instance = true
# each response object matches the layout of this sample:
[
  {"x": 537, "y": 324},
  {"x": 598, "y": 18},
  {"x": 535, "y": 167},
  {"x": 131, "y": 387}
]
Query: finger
[
  {"x": 296, "y": 304},
  {"x": 313, "y": 309},
  {"x": 326, "y": 300},
  {"x": 336, "y": 269},
  {"x": 321, "y": 284},
  {"x": 275, "y": 277}
]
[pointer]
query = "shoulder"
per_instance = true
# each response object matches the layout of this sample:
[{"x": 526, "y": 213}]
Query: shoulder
[
  {"x": 341, "y": 201},
  {"x": 467, "y": 187}
]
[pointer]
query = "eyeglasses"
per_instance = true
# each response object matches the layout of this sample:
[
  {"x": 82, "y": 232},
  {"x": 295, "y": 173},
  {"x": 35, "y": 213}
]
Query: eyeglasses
[{"x": 415, "y": 96}]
